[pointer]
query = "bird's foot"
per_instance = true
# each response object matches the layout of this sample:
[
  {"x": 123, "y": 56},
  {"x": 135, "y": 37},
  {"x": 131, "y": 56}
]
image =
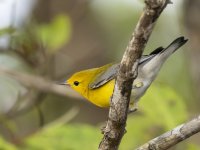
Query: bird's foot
[{"x": 132, "y": 108}]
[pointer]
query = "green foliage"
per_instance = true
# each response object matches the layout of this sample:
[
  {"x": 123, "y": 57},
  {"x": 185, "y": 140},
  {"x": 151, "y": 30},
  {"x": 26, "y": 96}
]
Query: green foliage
[
  {"x": 161, "y": 109},
  {"x": 163, "y": 102},
  {"x": 192, "y": 147},
  {"x": 68, "y": 137},
  {"x": 54, "y": 34},
  {"x": 8, "y": 30},
  {"x": 6, "y": 146}
]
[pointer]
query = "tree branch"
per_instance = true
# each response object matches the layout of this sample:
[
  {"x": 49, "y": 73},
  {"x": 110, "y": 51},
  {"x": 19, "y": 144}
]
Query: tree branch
[
  {"x": 174, "y": 136},
  {"x": 39, "y": 83},
  {"x": 115, "y": 127}
]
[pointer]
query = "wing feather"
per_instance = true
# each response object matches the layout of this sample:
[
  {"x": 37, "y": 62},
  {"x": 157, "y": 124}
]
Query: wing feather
[
  {"x": 112, "y": 69},
  {"x": 105, "y": 76}
]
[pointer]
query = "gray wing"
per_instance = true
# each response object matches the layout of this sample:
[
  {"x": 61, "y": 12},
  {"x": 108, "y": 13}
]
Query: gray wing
[
  {"x": 146, "y": 58},
  {"x": 105, "y": 76},
  {"x": 112, "y": 71}
]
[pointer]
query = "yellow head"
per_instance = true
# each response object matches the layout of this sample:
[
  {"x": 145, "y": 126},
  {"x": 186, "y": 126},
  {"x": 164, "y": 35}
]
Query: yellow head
[{"x": 80, "y": 81}]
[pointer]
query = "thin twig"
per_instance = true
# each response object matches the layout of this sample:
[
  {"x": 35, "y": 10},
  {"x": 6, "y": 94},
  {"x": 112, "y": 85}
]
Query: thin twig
[
  {"x": 115, "y": 127},
  {"x": 64, "y": 119},
  {"x": 174, "y": 136},
  {"x": 67, "y": 117},
  {"x": 40, "y": 83}
]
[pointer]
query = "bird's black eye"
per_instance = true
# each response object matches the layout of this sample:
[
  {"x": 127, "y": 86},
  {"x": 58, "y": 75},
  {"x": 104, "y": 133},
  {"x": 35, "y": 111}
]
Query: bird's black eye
[{"x": 76, "y": 83}]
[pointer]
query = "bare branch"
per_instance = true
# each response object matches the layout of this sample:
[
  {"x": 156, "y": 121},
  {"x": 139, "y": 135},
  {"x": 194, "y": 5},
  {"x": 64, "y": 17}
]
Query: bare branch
[
  {"x": 40, "y": 83},
  {"x": 67, "y": 117},
  {"x": 174, "y": 136},
  {"x": 115, "y": 127}
]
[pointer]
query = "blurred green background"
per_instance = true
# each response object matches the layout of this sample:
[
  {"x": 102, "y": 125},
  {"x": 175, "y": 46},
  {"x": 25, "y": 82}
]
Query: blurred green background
[{"x": 53, "y": 39}]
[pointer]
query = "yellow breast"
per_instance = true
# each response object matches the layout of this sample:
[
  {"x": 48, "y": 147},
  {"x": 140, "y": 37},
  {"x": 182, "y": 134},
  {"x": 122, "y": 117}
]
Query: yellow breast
[{"x": 101, "y": 96}]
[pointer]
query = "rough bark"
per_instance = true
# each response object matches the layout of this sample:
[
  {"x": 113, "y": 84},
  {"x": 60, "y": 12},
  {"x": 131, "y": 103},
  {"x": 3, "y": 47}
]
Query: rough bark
[
  {"x": 174, "y": 136},
  {"x": 115, "y": 127}
]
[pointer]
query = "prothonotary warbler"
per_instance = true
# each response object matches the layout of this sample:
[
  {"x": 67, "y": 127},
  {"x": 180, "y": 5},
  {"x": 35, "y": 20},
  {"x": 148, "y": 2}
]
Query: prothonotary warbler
[{"x": 97, "y": 84}]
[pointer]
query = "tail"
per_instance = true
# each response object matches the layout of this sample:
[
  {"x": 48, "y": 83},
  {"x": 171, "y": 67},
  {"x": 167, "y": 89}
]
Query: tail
[
  {"x": 165, "y": 53},
  {"x": 160, "y": 55}
]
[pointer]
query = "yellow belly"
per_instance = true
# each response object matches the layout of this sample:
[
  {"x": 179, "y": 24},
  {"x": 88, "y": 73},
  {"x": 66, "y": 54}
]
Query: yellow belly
[{"x": 101, "y": 96}]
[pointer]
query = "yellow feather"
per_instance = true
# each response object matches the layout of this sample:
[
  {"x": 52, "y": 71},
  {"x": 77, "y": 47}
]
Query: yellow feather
[{"x": 99, "y": 96}]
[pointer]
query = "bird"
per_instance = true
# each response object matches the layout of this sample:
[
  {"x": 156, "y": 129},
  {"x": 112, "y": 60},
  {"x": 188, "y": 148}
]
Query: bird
[{"x": 97, "y": 84}]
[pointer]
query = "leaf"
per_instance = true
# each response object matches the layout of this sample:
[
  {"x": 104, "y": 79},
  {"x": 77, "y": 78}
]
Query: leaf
[
  {"x": 8, "y": 30},
  {"x": 55, "y": 34}
]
